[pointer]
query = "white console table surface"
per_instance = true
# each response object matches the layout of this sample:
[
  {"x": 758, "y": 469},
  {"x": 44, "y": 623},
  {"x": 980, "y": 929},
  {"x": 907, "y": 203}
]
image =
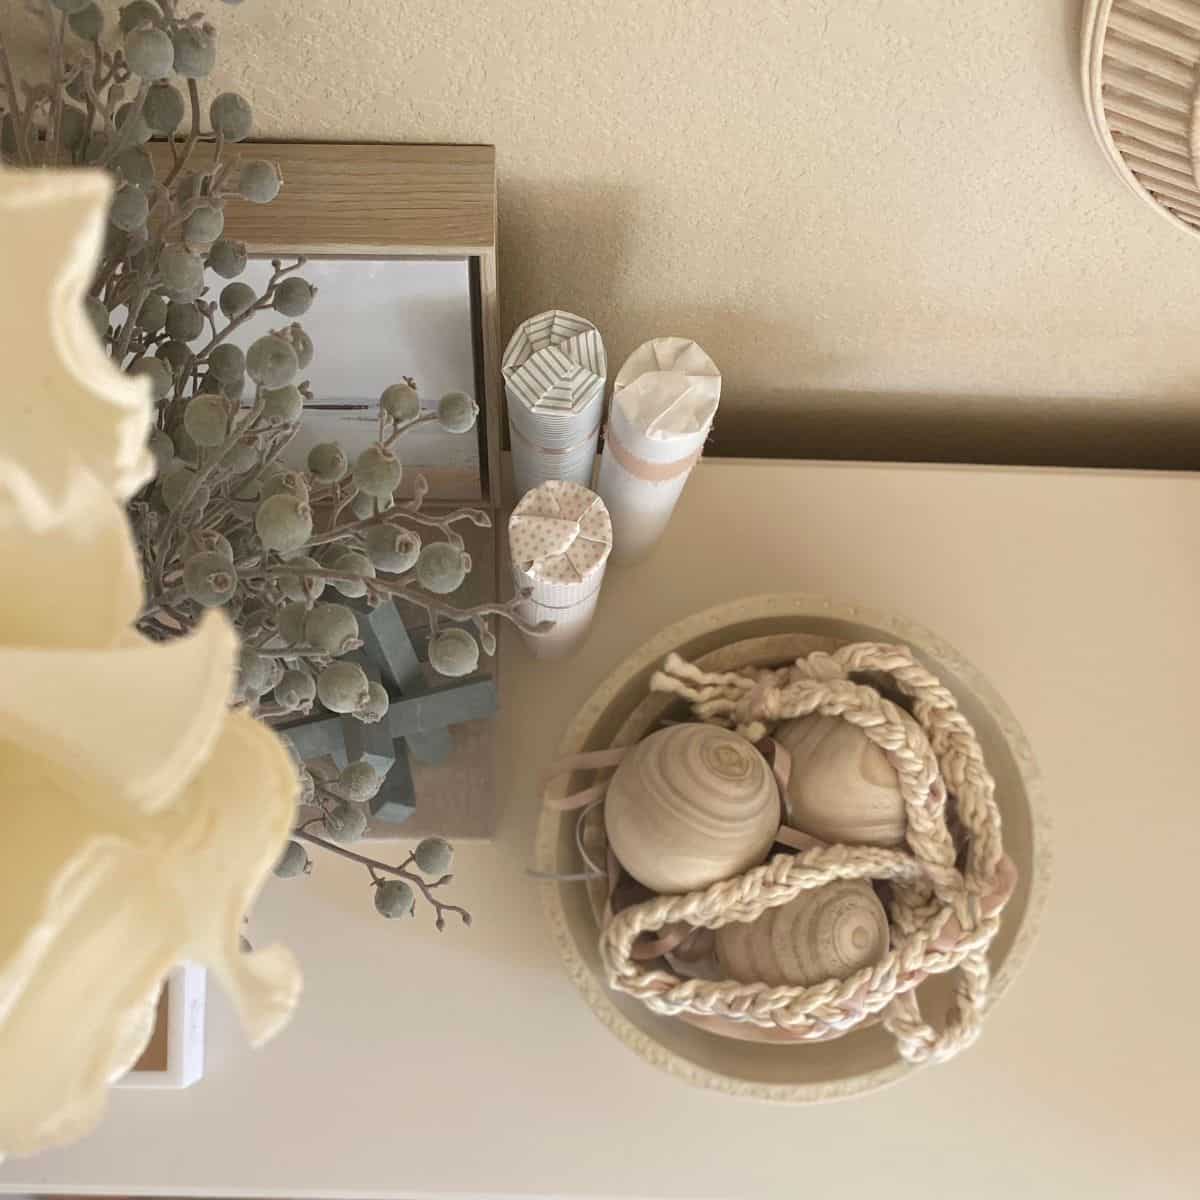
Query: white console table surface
[{"x": 466, "y": 1064}]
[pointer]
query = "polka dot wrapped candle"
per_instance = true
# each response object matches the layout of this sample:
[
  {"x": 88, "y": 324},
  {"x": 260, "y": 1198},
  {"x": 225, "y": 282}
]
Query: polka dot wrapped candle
[{"x": 559, "y": 537}]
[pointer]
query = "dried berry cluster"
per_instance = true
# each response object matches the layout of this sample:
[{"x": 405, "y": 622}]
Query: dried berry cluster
[
  {"x": 341, "y": 797},
  {"x": 226, "y": 524}
]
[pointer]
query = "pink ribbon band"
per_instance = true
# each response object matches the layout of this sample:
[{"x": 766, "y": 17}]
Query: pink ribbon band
[
  {"x": 592, "y": 760},
  {"x": 649, "y": 472}
]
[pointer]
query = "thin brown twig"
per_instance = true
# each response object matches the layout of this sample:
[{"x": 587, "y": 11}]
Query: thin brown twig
[
  {"x": 341, "y": 506},
  {"x": 141, "y": 290},
  {"x": 308, "y": 653},
  {"x": 405, "y": 511},
  {"x": 198, "y": 480},
  {"x": 93, "y": 87},
  {"x": 58, "y": 32},
  {"x": 20, "y": 116},
  {"x": 399, "y": 430},
  {"x": 443, "y": 523},
  {"x": 184, "y": 211},
  {"x": 33, "y": 97},
  {"x": 265, "y": 301},
  {"x": 193, "y": 136},
  {"x": 218, "y": 168},
  {"x": 402, "y": 588},
  {"x": 373, "y": 864},
  {"x": 124, "y": 139}
]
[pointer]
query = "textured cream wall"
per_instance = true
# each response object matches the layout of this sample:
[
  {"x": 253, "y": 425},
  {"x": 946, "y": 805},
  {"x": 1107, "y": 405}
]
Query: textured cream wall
[{"x": 885, "y": 219}]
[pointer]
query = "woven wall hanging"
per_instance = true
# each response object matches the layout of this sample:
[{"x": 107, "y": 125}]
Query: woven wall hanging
[{"x": 1140, "y": 85}]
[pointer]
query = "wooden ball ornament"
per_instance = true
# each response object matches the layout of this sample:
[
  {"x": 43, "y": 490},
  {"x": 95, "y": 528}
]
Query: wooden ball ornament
[
  {"x": 825, "y": 933},
  {"x": 690, "y": 805},
  {"x": 841, "y": 787}
]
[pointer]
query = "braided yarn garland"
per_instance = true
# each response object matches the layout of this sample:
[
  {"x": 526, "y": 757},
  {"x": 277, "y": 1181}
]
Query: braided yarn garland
[{"x": 941, "y": 917}]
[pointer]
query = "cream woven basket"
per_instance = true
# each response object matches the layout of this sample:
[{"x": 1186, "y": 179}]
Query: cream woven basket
[
  {"x": 797, "y": 1064},
  {"x": 1140, "y": 86}
]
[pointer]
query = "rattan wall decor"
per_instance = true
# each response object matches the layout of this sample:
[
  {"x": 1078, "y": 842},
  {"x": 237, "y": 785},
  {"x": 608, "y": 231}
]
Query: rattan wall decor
[{"x": 1140, "y": 83}]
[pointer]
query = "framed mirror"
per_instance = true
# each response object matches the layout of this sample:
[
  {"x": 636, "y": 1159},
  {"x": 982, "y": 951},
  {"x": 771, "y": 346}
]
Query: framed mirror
[{"x": 400, "y": 243}]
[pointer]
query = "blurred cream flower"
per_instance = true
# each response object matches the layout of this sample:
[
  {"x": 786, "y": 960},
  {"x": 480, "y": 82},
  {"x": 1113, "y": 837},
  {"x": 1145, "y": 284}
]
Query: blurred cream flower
[
  {"x": 70, "y": 413},
  {"x": 138, "y": 815}
]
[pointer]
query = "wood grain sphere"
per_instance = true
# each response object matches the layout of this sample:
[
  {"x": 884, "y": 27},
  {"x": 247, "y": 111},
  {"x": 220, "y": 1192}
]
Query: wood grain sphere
[
  {"x": 826, "y": 933},
  {"x": 690, "y": 805},
  {"x": 842, "y": 787}
]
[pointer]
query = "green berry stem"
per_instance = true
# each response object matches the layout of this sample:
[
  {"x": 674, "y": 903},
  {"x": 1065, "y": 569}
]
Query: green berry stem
[
  {"x": 276, "y": 450},
  {"x": 176, "y": 623},
  {"x": 374, "y": 865},
  {"x": 104, "y": 69},
  {"x": 210, "y": 315},
  {"x": 58, "y": 33},
  {"x": 476, "y": 516},
  {"x": 218, "y": 466},
  {"x": 291, "y": 650},
  {"x": 135, "y": 302},
  {"x": 298, "y": 651},
  {"x": 124, "y": 136},
  {"x": 265, "y": 301},
  {"x": 327, "y": 794},
  {"x": 402, "y": 429},
  {"x": 184, "y": 211},
  {"x": 409, "y": 510},
  {"x": 20, "y": 116},
  {"x": 403, "y": 589},
  {"x": 193, "y": 136},
  {"x": 244, "y": 515},
  {"x": 105, "y": 278},
  {"x": 341, "y": 505},
  {"x": 337, "y": 533},
  {"x": 166, "y": 538}
]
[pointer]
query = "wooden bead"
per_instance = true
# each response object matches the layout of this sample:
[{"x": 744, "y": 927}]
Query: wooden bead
[
  {"x": 825, "y": 933},
  {"x": 690, "y": 805},
  {"x": 842, "y": 787}
]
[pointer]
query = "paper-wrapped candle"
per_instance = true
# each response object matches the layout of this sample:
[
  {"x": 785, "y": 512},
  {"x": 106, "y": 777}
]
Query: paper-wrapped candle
[
  {"x": 554, "y": 372},
  {"x": 664, "y": 401},
  {"x": 559, "y": 538}
]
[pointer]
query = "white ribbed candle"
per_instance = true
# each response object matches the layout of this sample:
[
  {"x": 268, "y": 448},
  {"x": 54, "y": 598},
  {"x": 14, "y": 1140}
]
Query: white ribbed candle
[
  {"x": 555, "y": 371},
  {"x": 546, "y": 446}
]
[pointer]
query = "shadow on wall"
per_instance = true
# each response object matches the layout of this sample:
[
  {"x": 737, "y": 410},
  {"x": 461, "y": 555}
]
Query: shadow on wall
[
  {"x": 554, "y": 231},
  {"x": 938, "y": 428},
  {"x": 568, "y": 245}
]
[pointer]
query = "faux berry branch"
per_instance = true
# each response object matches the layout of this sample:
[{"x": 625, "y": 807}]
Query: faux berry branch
[
  {"x": 226, "y": 523},
  {"x": 340, "y": 796}
]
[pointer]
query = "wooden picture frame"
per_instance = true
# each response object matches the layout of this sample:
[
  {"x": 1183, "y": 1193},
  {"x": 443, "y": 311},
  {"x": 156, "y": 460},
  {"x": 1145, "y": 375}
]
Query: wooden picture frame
[
  {"x": 357, "y": 200},
  {"x": 361, "y": 201}
]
